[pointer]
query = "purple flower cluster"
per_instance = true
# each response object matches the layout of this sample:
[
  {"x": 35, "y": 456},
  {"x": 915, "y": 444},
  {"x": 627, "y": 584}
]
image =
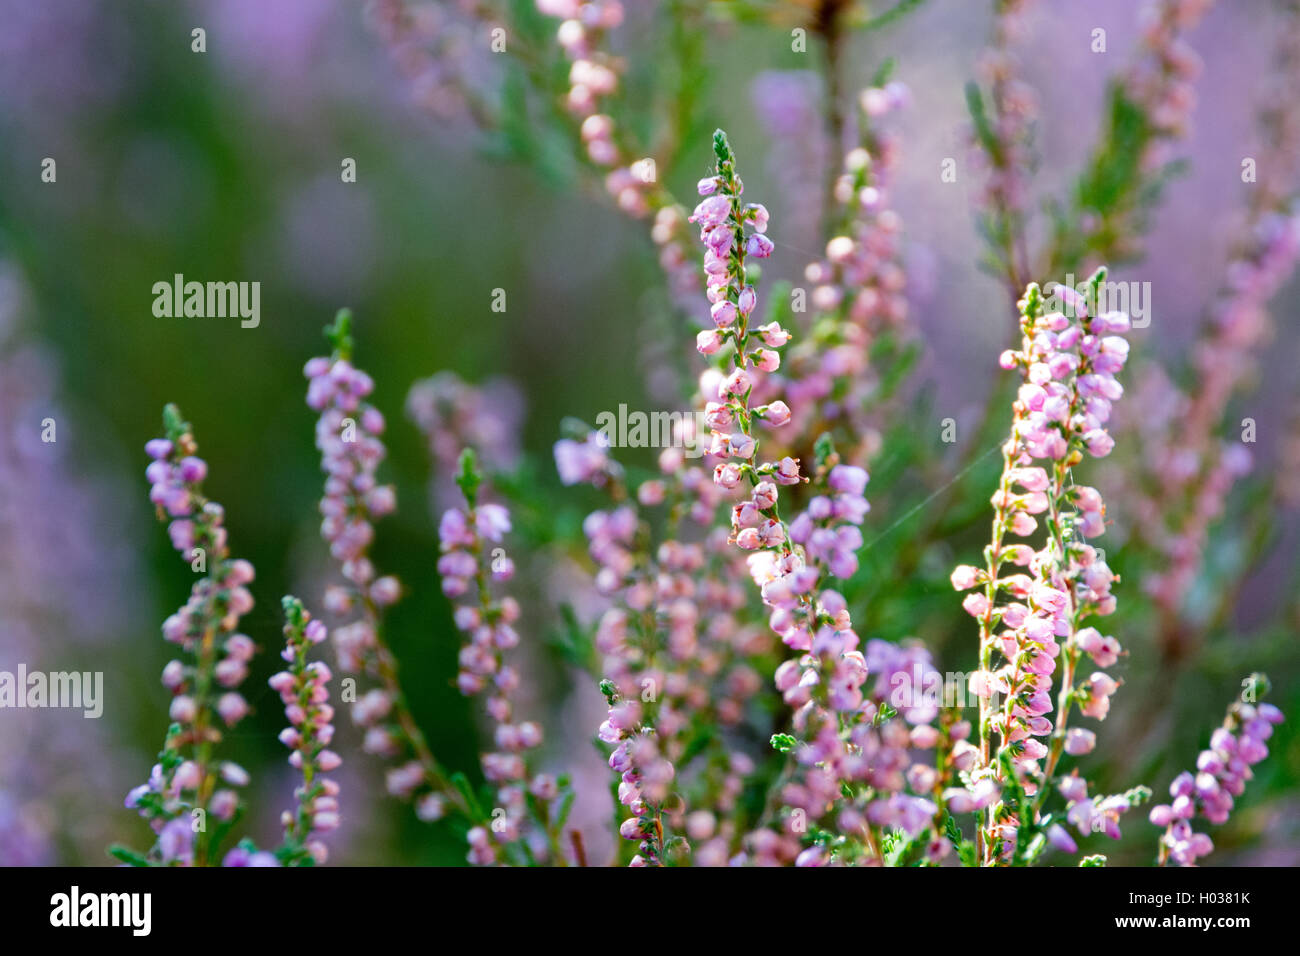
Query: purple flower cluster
[
  {"x": 1221, "y": 774},
  {"x": 471, "y": 556},
  {"x": 303, "y": 690},
  {"x": 828, "y": 527},
  {"x": 347, "y": 435},
  {"x": 453, "y": 415},
  {"x": 187, "y": 778},
  {"x": 1090, "y": 815}
]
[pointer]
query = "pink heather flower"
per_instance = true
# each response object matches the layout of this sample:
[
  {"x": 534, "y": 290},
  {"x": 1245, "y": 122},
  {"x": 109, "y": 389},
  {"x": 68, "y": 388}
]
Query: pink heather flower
[
  {"x": 766, "y": 359},
  {"x": 712, "y": 211},
  {"x": 1079, "y": 741},
  {"x": 723, "y": 313},
  {"x": 747, "y": 300},
  {"x": 965, "y": 577},
  {"x": 1060, "y": 838},
  {"x": 787, "y": 471},
  {"x": 727, "y": 475},
  {"x": 976, "y": 605},
  {"x": 775, "y": 413},
  {"x": 982, "y": 683},
  {"x": 176, "y": 474},
  {"x": 773, "y": 335},
  {"x": 737, "y": 384},
  {"x": 580, "y": 462}
]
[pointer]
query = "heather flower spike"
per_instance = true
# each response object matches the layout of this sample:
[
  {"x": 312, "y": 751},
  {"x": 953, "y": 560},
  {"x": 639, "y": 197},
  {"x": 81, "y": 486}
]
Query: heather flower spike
[
  {"x": 303, "y": 688},
  {"x": 1221, "y": 773},
  {"x": 472, "y": 558},
  {"x": 837, "y": 726},
  {"x": 189, "y": 782},
  {"x": 1067, "y": 361},
  {"x": 348, "y": 437}
]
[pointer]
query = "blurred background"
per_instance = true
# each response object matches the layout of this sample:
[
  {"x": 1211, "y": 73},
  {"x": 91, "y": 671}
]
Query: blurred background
[{"x": 225, "y": 165}]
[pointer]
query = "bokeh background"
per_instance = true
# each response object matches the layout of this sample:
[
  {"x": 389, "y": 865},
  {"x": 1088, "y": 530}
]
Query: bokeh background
[{"x": 225, "y": 165}]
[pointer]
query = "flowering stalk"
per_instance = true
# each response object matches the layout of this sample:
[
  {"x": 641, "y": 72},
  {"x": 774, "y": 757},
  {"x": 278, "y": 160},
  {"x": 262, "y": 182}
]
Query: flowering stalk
[
  {"x": 1068, "y": 361},
  {"x": 1221, "y": 774},
  {"x": 1189, "y": 472},
  {"x": 847, "y": 745},
  {"x": 182, "y": 791},
  {"x": 427, "y": 43},
  {"x": 628, "y": 635},
  {"x": 1148, "y": 110},
  {"x": 303, "y": 690},
  {"x": 454, "y": 415},
  {"x": 857, "y": 293},
  {"x": 1005, "y": 137},
  {"x": 347, "y": 435},
  {"x": 670, "y": 676},
  {"x": 468, "y": 561},
  {"x": 631, "y": 179}
]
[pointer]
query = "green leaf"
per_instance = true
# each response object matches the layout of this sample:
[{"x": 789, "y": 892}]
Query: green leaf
[
  {"x": 784, "y": 743},
  {"x": 129, "y": 856},
  {"x": 980, "y": 118},
  {"x": 823, "y": 448},
  {"x": 461, "y": 783},
  {"x": 468, "y": 477},
  {"x": 566, "y": 805},
  {"x": 896, "y": 12},
  {"x": 721, "y": 148}
]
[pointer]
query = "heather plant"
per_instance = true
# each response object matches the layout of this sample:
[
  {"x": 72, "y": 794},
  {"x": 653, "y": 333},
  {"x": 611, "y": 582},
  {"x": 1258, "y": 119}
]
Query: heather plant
[
  {"x": 762, "y": 658},
  {"x": 873, "y": 767},
  {"x": 189, "y": 800}
]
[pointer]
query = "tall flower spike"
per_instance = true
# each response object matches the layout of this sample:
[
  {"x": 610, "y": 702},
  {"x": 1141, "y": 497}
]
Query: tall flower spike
[
  {"x": 629, "y": 179},
  {"x": 1005, "y": 137},
  {"x": 303, "y": 690},
  {"x": 674, "y": 656},
  {"x": 627, "y": 636},
  {"x": 472, "y": 557},
  {"x": 1068, "y": 360},
  {"x": 1148, "y": 108},
  {"x": 838, "y": 727},
  {"x": 856, "y": 293},
  {"x": 1221, "y": 774},
  {"x": 188, "y": 778},
  {"x": 348, "y": 437}
]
